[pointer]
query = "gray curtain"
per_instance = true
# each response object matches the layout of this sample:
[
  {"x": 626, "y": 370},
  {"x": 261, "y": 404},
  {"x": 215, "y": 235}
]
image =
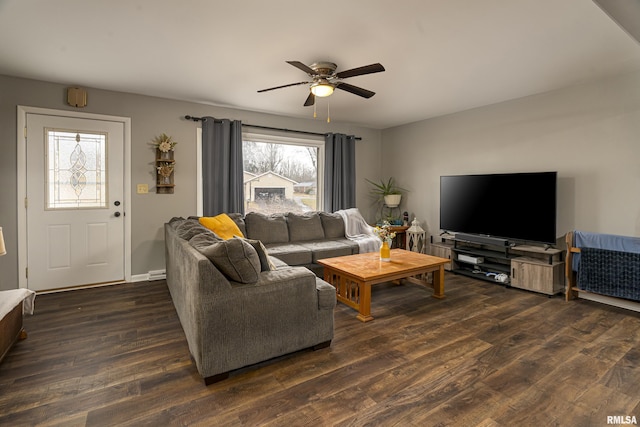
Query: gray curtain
[
  {"x": 339, "y": 172},
  {"x": 222, "y": 166}
]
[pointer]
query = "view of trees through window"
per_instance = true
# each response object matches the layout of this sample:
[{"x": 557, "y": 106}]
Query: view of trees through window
[{"x": 280, "y": 177}]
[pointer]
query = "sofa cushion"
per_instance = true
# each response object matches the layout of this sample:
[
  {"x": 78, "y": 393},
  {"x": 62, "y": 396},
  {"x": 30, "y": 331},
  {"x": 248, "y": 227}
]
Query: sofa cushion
[
  {"x": 292, "y": 254},
  {"x": 238, "y": 218},
  {"x": 278, "y": 263},
  {"x": 222, "y": 225},
  {"x": 235, "y": 258},
  {"x": 333, "y": 225},
  {"x": 176, "y": 219},
  {"x": 202, "y": 240},
  {"x": 303, "y": 227},
  {"x": 355, "y": 248},
  {"x": 327, "y": 249},
  {"x": 188, "y": 228},
  {"x": 266, "y": 228},
  {"x": 265, "y": 260}
]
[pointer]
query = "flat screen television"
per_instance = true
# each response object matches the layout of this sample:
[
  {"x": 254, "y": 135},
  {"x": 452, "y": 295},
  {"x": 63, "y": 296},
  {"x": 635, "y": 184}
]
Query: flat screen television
[{"x": 514, "y": 206}]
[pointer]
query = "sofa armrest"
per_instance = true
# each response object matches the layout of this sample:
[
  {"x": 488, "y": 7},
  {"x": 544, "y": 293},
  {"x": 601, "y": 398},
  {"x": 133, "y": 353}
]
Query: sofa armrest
[{"x": 326, "y": 295}]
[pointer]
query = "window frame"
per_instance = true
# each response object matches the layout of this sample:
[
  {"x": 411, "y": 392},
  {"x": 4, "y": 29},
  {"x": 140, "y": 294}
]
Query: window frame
[
  {"x": 302, "y": 142},
  {"x": 310, "y": 141}
]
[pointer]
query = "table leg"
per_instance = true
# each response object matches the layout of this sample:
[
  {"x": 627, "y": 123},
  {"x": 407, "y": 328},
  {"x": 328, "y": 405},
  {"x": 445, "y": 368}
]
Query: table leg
[
  {"x": 364, "y": 308},
  {"x": 438, "y": 282}
]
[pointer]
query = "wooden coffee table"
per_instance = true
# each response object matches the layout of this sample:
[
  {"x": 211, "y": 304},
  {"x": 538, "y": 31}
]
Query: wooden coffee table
[{"x": 353, "y": 275}]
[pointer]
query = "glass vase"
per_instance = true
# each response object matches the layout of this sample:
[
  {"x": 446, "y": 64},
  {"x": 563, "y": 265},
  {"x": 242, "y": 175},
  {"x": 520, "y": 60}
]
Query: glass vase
[
  {"x": 164, "y": 155},
  {"x": 385, "y": 252}
]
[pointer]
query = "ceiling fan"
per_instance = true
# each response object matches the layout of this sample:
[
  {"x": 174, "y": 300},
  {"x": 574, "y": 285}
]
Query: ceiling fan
[{"x": 324, "y": 79}]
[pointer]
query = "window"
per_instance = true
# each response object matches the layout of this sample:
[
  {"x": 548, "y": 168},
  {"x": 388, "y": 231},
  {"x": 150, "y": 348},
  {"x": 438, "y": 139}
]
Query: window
[
  {"x": 282, "y": 174},
  {"x": 76, "y": 169}
]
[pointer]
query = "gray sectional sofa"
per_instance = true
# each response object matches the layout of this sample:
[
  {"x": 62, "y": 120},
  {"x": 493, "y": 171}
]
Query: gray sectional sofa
[
  {"x": 299, "y": 239},
  {"x": 244, "y": 301}
]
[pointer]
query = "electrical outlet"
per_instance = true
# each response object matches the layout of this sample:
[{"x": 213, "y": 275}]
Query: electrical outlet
[{"x": 143, "y": 188}]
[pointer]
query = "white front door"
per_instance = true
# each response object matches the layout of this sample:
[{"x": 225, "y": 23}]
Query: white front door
[{"x": 74, "y": 201}]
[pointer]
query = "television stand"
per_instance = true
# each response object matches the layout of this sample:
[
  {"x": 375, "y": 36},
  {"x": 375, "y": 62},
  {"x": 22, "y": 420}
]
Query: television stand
[{"x": 534, "y": 268}]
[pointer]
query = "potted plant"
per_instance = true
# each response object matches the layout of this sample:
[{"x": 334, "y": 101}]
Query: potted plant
[{"x": 387, "y": 191}]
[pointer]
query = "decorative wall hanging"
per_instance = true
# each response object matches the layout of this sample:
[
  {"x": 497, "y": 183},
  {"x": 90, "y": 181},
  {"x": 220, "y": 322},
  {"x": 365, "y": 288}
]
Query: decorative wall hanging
[{"x": 165, "y": 163}]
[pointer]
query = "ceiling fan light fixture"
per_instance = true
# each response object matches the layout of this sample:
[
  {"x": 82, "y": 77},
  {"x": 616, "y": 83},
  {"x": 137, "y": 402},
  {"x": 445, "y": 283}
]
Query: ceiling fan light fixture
[{"x": 322, "y": 88}]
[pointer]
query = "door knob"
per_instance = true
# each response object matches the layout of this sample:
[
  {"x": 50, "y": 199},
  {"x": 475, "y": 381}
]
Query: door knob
[
  {"x": 117, "y": 203},
  {"x": 117, "y": 214}
]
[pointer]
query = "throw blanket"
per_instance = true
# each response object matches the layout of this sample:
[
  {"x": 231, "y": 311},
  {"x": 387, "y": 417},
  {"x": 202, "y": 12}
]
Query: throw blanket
[
  {"x": 612, "y": 273},
  {"x": 357, "y": 230},
  {"x": 582, "y": 239},
  {"x": 11, "y": 298}
]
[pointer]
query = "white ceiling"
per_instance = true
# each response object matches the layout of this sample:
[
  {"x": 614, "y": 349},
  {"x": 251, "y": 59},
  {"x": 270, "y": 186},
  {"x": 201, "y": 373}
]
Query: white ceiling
[{"x": 441, "y": 56}]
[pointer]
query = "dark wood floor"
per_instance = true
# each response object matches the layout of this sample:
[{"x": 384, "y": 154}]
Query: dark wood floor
[{"x": 486, "y": 355}]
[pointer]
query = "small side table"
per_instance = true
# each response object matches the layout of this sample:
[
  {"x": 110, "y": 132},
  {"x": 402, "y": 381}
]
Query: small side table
[{"x": 401, "y": 235}]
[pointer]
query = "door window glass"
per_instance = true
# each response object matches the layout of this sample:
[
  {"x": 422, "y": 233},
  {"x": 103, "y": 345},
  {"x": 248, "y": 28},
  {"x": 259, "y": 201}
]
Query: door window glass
[{"x": 76, "y": 175}]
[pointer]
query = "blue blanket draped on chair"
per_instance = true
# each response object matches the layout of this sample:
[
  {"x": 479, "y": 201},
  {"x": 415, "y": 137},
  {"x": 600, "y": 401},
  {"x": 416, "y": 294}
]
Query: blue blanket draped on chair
[
  {"x": 611, "y": 273},
  {"x": 582, "y": 239}
]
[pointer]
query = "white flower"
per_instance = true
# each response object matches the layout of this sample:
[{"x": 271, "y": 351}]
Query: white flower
[
  {"x": 384, "y": 232},
  {"x": 165, "y": 146},
  {"x": 164, "y": 143}
]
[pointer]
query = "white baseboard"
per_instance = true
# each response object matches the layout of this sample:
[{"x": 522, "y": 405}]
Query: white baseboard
[
  {"x": 629, "y": 305},
  {"x": 150, "y": 276}
]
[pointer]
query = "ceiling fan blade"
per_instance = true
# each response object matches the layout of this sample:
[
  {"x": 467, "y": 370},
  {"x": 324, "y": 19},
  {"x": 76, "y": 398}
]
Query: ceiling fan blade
[
  {"x": 355, "y": 90},
  {"x": 311, "y": 99},
  {"x": 280, "y": 87},
  {"x": 303, "y": 67},
  {"x": 367, "y": 69}
]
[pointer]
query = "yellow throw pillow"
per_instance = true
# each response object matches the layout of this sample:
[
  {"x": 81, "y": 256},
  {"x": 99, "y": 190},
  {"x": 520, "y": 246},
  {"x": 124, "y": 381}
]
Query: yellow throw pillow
[{"x": 222, "y": 225}]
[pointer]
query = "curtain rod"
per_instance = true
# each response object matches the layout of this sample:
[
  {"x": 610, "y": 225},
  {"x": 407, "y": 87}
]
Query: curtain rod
[{"x": 198, "y": 119}]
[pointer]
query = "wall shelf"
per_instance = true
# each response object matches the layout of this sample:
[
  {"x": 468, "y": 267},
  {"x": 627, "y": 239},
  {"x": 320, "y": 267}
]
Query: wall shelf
[{"x": 164, "y": 162}]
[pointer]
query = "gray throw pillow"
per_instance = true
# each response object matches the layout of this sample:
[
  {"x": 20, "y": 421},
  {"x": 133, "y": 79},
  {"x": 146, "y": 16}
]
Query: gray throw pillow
[
  {"x": 235, "y": 258},
  {"x": 265, "y": 260}
]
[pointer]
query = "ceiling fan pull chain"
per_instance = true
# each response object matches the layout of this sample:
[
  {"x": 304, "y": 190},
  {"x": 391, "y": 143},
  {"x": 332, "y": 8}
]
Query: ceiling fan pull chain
[
  {"x": 314, "y": 110},
  {"x": 328, "y": 112}
]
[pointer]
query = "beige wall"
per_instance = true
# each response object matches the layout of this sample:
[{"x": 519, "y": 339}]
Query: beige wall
[
  {"x": 149, "y": 117},
  {"x": 590, "y": 134}
]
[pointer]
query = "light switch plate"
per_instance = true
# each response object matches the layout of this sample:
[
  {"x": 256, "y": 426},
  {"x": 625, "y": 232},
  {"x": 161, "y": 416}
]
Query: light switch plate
[{"x": 143, "y": 188}]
